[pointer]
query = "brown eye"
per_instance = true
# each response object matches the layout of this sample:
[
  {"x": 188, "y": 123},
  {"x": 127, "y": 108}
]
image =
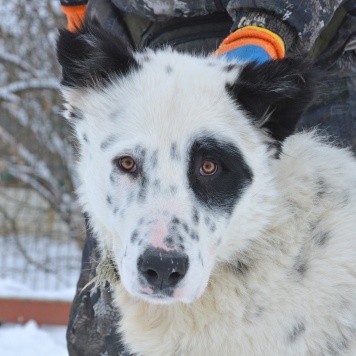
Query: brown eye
[
  {"x": 208, "y": 167},
  {"x": 128, "y": 164}
]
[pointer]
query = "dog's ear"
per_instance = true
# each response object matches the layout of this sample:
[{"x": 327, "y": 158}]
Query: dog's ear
[
  {"x": 275, "y": 94},
  {"x": 91, "y": 56}
]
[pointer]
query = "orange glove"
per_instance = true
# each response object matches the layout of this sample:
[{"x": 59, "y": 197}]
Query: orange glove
[
  {"x": 252, "y": 43},
  {"x": 75, "y": 16}
]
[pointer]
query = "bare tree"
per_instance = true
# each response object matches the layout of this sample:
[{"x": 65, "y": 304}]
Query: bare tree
[{"x": 35, "y": 152}]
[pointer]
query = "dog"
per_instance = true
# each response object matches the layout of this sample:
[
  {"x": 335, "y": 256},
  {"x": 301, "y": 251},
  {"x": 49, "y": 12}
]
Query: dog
[{"x": 229, "y": 233}]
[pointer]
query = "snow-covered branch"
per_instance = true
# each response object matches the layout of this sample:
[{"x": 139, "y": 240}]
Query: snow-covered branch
[
  {"x": 19, "y": 62},
  {"x": 38, "y": 166},
  {"x": 35, "y": 83},
  {"x": 8, "y": 92}
]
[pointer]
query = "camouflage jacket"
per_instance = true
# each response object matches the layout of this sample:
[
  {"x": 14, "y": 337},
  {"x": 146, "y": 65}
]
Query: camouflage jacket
[{"x": 317, "y": 28}]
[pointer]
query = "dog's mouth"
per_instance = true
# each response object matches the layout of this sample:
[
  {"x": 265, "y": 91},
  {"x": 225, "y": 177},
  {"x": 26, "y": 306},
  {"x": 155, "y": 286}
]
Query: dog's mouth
[{"x": 159, "y": 297}]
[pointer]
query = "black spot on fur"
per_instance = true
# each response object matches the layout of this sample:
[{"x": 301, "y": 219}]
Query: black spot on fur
[
  {"x": 322, "y": 238},
  {"x": 169, "y": 242},
  {"x": 185, "y": 227},
  {"x": 173, "y": 228},
  {"x": 337, "y": 346},
  {"x": 207, "y": 220},
  {"x": 275, "y": 93},
  {"x": 169, "y": 69},
  {"x": 92, "y": 56},
  {"x": 258, "y": 312},
  {"x": 141, "y": 152},
  {"x": 301, "y": 265},
  {"x": 175, "y": 220},
  {"x": 201, "y": 259},
  {"x": 229, "y": 67},
  {"x": 143, "y": 190},
  {"x": 241, "y": 268},
  {"x": 76, "y": 114},
  {"x": 134, "y": 236},
  {"x": 195, "y": 216},
  {"x": 116, "y": 210},
  {"x": 212, "y": 227},
  {"x": 297, "y": 330},
  {"x": 115, "y": 114},
  {"x": 85, "y": 138},
  {"x": 222, "y": 189},
  {"x": 114, "y": 178},
  {"x": 174, "y": 152},
  {"x": 157, "y": 184},
  {"x": 109, "y": 199},
  {"x": 110, "y": 140},
  {"x": 173, "y": 189},
  {"x": 194, "y": 236},
  {"x": 154, "y": 159},
  {"x": 322, "y": 188}
]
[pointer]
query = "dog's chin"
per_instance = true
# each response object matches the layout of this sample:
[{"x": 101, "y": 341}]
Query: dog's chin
[
  {"x": 175, "y": 296},
  {"x": 164, "y": 299}
]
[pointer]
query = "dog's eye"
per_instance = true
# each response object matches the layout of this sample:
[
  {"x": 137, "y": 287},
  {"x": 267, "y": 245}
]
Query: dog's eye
[
  {"x": 128, "y": 164},
  {"x": 208, "y": 167}
]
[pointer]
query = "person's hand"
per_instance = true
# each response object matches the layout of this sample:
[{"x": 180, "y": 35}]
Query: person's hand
[
  {"x": 75, "y": 16},
  {"x": 252, "y": 44}
]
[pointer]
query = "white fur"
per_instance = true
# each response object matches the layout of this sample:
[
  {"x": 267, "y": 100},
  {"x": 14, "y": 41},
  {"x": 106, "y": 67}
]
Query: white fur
[{"x": 294, "y": 226}]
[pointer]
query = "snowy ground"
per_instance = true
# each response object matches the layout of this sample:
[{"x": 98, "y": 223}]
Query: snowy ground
[
  {"x": 32, "y": 340},
  {"x": 19, "y": 278}
]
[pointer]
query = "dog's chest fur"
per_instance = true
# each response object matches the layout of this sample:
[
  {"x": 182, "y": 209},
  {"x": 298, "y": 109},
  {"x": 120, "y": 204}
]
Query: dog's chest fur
[{"x": 292, "y": 293}]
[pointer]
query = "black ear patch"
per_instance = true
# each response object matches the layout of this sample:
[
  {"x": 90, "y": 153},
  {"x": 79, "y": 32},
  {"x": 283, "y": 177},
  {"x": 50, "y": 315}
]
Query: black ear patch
[
  {"x": 275, "y": 93},
  {"x": 91, "y": 56}
]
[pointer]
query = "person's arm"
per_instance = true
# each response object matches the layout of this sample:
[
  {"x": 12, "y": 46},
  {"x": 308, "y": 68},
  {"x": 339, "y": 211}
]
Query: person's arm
[
  {"x": 305, "y": 27},
  {"x": 305, "y": 18}
]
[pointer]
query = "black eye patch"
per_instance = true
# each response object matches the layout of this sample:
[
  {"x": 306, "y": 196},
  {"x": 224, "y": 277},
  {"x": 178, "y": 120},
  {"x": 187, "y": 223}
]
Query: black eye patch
[{"x": 221, "y": 189}]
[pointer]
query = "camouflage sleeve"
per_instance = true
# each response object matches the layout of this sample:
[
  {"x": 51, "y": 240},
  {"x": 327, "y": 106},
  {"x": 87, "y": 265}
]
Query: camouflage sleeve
[
  {"x": 306, "y": 18},
  {"x": 298, "y": 22},
  {"x": 91, "y": 330}
]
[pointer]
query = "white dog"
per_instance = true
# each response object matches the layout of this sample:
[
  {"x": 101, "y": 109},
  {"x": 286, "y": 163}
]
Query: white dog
[{"x": 230, "y": 235}]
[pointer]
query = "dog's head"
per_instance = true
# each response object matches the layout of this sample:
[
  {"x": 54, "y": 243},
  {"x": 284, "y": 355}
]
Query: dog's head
[{"x": 175, "y": 155}]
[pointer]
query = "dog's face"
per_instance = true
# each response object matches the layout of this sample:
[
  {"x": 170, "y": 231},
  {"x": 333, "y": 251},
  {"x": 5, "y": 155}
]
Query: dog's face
[{"x": 175, "y": 161}]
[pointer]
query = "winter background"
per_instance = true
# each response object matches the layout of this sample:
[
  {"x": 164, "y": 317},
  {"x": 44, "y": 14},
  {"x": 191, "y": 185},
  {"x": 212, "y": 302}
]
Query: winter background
[{"x": 41, "y": 228}]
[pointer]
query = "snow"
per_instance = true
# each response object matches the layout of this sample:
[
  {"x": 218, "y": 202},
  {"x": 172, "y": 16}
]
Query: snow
[
  {"x": 29, "y": 281},
  {"x": 32, "y": 340},
  {"x": 13, "y": 289}
]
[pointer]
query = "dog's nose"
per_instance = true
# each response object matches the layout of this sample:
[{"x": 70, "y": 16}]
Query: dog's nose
[{"x": 162, "y": 269}]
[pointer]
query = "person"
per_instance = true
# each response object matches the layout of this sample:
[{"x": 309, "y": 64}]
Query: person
[{"x": 323, "y": 31}]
